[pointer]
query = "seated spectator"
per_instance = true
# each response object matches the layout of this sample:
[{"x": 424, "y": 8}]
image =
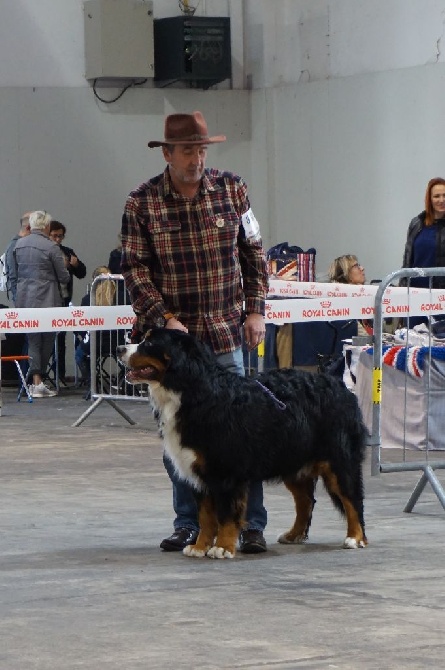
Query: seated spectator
[
  {"x": 76, "y": 268},
  {"x": 311, "y": 345},
  {"x": 347, "y": 270},
  {"x": 40, "y": 269}
]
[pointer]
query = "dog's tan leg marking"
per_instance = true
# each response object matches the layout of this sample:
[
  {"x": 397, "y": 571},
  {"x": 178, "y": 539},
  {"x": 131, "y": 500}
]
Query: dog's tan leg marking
[
  {"x": 303, "y": 493},
  {"x": 355, "y": 537},
  {"x": 227, "y": 535},
  {"x": 225, "y": 542},
  {"x": 208, "y": 526}
]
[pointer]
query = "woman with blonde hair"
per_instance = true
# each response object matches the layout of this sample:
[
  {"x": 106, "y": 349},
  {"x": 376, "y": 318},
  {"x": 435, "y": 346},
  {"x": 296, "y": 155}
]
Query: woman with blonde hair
[
  {"x": 314, "y": 345},
  {"x": 105, "y": 291},
  {"x": 347, "y": 270}
]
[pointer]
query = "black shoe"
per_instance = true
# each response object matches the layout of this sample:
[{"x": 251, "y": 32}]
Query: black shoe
[
  {"x": 180, "y": 539},
  {"x": 252, "y": 542}
]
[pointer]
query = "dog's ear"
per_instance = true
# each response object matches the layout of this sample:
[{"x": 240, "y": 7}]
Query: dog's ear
[
  {"x": 185, "y": 349},
  {"x": 172, "y": 342},
  {"x": 168, "y": 341}
]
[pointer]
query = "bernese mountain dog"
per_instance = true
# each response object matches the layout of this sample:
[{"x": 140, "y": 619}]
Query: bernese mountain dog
[{"x": 222, "y": 431}]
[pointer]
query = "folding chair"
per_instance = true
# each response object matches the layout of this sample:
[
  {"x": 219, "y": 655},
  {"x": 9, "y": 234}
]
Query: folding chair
[
  {"x": 51, "y": 374},
  {"x": 24, "y": 378}
]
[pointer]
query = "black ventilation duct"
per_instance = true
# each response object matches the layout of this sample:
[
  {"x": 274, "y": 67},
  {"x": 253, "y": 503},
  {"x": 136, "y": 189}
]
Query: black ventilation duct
[{"x": 192, "y": 49}]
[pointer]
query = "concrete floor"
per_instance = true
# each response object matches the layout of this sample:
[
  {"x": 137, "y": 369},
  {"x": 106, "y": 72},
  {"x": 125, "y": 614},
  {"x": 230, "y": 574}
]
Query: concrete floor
[{"x": 83, "y": 583}]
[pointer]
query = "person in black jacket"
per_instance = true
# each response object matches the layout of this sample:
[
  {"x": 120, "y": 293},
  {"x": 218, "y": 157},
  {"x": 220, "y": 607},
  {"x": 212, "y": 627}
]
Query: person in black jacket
[
  {"x": 115, "y": 268},
  {"x": 425, "y": 240},
  {"x": 114, "y": 262},
  {"x": 77, "y": 269}
]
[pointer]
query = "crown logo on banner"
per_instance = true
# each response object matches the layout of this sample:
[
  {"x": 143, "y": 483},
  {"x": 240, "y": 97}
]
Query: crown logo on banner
[
  {"x": 77, "y": 313},
  {"x": 325, "y": 303},
  {"x": 12, "y": 315}
]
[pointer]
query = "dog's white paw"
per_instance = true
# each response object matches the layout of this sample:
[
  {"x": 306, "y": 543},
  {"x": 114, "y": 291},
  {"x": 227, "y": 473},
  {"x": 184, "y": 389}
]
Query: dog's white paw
[
  {"x": 190, "y": 550},
  {"x": 283, "y": 539},
  {"x": 219, "y": 552},
  {"x": 351, "y": 543}
]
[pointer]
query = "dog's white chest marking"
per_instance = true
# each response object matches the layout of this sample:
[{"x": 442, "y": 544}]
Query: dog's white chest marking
[{"x": 167, "y": 404}]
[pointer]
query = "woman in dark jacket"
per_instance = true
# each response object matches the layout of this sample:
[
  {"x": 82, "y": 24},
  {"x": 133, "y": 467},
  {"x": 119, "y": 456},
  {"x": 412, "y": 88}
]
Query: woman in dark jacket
[
  {"x": 77, "y": 269},
  {"x": 425, "y": 243}
]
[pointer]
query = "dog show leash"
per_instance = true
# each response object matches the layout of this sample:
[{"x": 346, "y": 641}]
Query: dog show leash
[{"x": 281, "y": 405}]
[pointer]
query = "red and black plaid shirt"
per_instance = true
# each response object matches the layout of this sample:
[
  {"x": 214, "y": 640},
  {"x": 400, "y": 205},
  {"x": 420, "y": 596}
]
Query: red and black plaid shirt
[{"x": 191, "y": 257}]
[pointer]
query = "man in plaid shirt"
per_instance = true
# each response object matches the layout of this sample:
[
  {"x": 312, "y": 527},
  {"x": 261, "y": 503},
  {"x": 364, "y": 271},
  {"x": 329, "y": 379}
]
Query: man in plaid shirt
[{"x": 192, "y": 258}]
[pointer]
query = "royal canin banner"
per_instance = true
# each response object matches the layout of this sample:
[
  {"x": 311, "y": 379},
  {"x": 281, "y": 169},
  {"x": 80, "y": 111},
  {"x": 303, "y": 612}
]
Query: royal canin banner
[
  {"x": 295, "y": 289},
  {"x": 47, "y": 319},
  {"x": 323, "y": 302},
  {"x": 331, "y": 302}
]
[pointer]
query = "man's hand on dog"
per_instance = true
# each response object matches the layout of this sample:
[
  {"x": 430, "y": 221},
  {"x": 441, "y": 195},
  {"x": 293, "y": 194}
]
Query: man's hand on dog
[
  {"x": 176, "y": 325},
  {"x": 254, "y": 330}
]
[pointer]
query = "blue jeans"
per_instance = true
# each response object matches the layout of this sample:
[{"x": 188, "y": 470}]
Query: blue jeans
[{"x": 184, "y": 503}]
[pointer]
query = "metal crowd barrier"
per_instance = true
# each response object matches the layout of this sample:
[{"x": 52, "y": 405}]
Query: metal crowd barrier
[
  {"x": 433, "y": 307},
  {"x": 324, "y": 302},
  {"x": 107, "y": 374}
]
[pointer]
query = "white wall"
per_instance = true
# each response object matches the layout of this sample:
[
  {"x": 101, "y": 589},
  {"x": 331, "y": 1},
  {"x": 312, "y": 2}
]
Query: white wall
[
  {"x": 348, "y": 113},
  {"x": 307, "y": 40},
  {"x": 64, "y": 151},
  {"x": 350, "y": 161},
  {"x": 337, "y": 138},
  {"x": 78, "y": 159}
]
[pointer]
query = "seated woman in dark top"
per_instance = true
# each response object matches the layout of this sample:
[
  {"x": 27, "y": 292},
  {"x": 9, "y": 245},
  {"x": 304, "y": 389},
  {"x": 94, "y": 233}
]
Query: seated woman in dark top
[
  {"x": 347, "y": 270},
  {"x": 310, "y": 345}
]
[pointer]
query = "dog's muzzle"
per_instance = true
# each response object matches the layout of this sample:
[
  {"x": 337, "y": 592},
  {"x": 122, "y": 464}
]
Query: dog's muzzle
[
  {"x": 124, "y": 352},
  {"x": 137, "y": 369}
]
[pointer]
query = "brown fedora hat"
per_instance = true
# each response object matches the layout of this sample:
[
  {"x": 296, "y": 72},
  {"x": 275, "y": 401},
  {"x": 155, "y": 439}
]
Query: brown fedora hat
[{"x": 186, "y": 129}]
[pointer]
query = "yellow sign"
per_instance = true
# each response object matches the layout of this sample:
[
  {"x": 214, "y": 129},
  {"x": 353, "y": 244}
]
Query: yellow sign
[{"x": 377, "y": 386}]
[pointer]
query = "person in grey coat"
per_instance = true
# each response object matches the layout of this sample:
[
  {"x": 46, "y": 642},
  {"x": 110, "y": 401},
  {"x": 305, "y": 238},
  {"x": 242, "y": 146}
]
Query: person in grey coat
[
  {"x": 9, "y": 256},
  {"x": 40, "y": 269}
]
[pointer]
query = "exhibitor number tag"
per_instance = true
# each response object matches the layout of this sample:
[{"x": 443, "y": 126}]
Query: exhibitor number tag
[{"x": 250, "y": 225}]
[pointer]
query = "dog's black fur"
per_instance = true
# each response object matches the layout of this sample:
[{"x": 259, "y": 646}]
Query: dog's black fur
[{"x": 222, "y": 430}]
